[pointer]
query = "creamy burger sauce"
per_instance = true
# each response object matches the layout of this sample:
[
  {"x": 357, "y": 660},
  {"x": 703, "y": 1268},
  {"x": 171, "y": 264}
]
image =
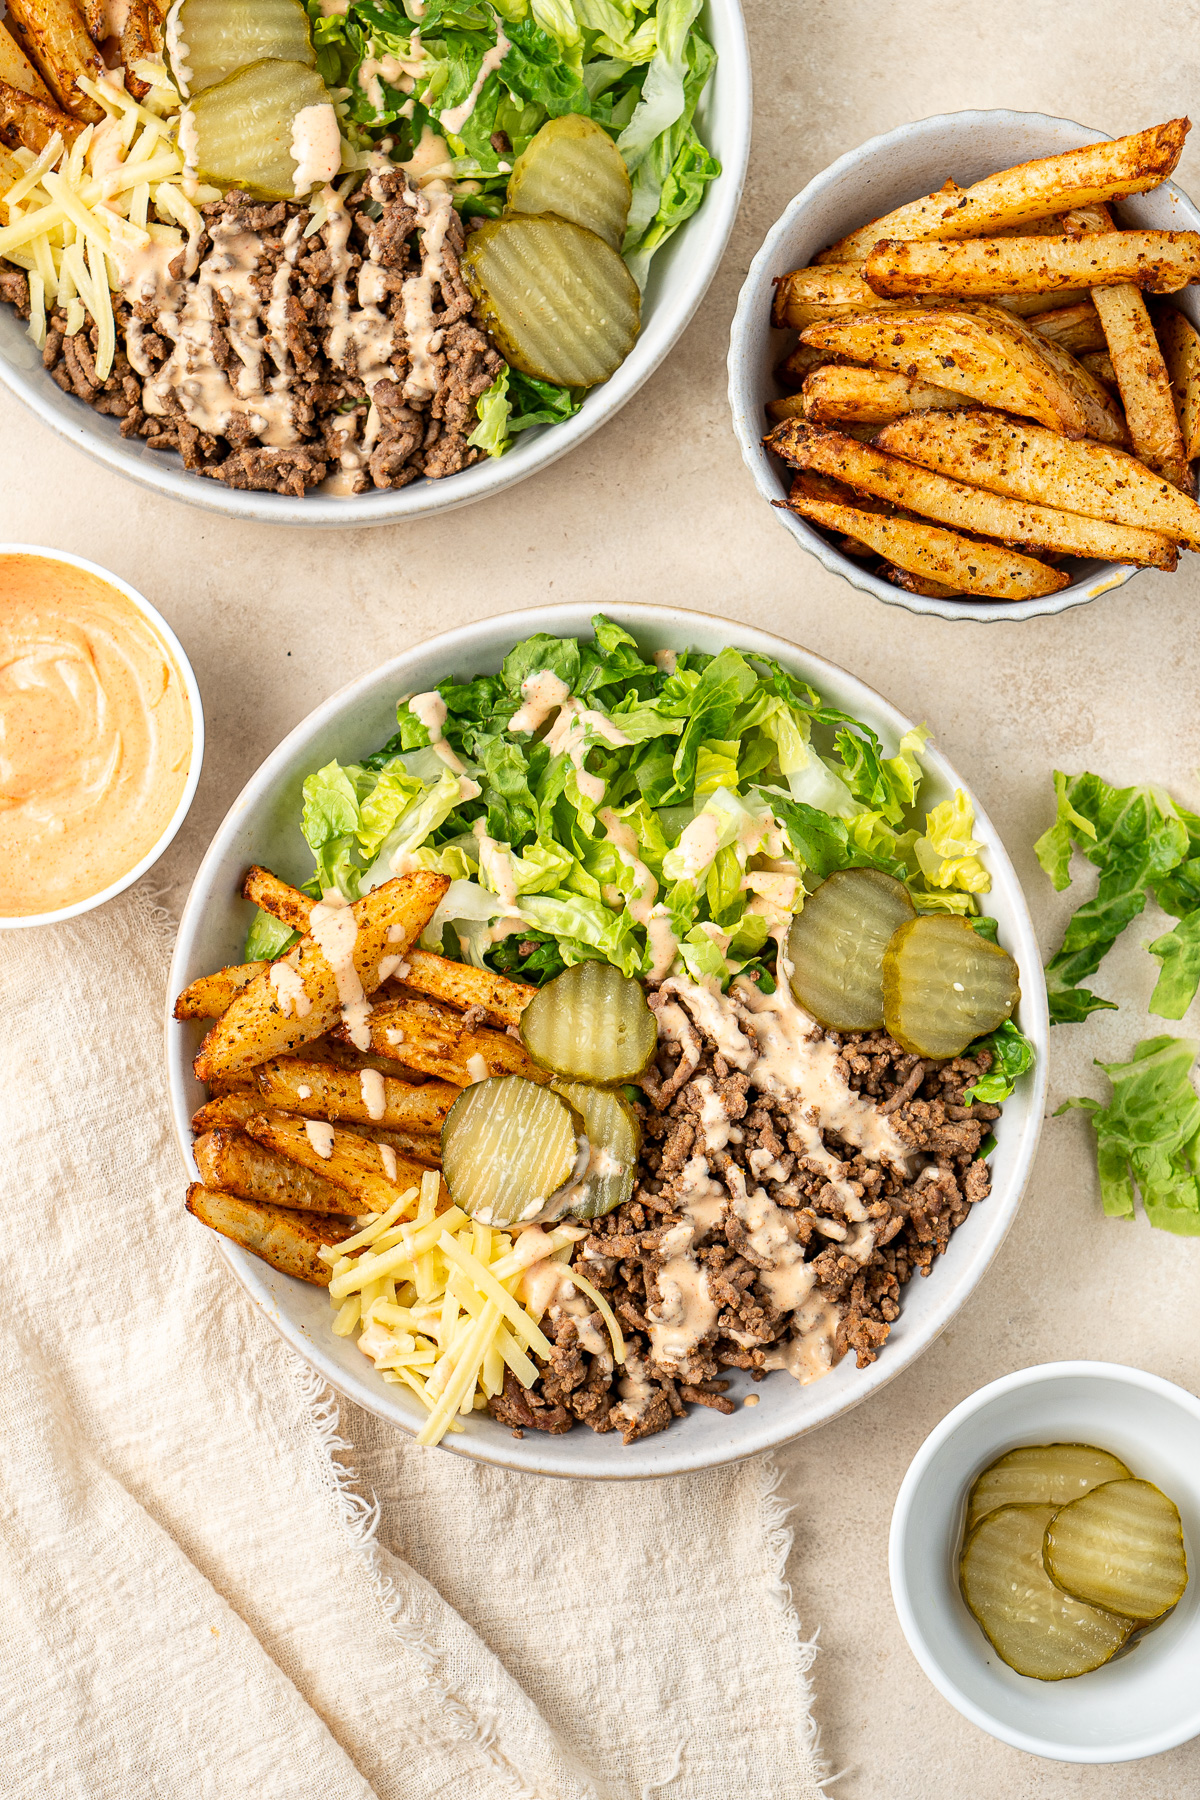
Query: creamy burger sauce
[{"x": 95, "y": 735}]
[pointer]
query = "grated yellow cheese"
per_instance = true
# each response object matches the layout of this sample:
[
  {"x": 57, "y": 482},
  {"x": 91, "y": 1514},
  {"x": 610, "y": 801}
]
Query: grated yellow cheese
[{"x": 434, "y": 1301}]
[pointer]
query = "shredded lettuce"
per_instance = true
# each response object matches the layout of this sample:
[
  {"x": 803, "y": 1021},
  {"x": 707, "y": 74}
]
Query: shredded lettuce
[
  {"x": 1140, "y": 841},
  {"x": 516, "y": 401},
  {"x": 1148, "y": 1136},
  {"x": 1012, "y": 1055},
  {"x": 268, "y": 938}
]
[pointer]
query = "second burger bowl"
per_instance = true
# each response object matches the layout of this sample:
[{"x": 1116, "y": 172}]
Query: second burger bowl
[
  {"x": 261, "y": 827},
  {"x": 864, "y": 184}
]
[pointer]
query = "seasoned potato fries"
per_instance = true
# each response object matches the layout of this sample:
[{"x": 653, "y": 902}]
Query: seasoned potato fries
[{"x": 989, "y": 359}]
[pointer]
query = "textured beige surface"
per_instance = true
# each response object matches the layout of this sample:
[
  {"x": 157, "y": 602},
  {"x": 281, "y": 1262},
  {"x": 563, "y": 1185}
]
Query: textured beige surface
[{"x": 658, "y": 506}]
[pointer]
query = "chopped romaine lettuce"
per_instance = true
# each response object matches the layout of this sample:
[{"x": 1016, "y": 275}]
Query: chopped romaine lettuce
[
  {"x": 1012, "y": 1055},
  {"x": 1148, "y": 1136},
  {"x": 268, "y": 938}
]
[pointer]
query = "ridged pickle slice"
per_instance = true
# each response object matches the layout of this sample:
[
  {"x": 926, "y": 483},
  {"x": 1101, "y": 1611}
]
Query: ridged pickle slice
[
  {"x": 1031, "y": 1624},
  {"x": 1120, "y": 1547},
  {"x": 508, "y": 1145},
  {"x": 573, "y": 169},
  {"x": 210, "y": 39},
  {"x": 836, "y": 946},
  {"x": 243, "y": 127},
  {"x": 558, "y": 300},
  {"x": 591, "y": 1023},
  {"x": 1052, "y": 1473},
  {"x": 614, "y": 1137},
  {"x": 944, "y": 986}
]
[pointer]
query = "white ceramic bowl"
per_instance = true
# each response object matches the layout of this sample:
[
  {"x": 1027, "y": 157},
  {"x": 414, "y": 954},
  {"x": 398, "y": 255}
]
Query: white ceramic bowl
[
  {"x": 261, "y": 826},
  {"x": 1145, "y": 1701},
  {"x": 866, "y": 183},
  {"x": 176, "y": 652},
  {"x": 679, "y": 279}
]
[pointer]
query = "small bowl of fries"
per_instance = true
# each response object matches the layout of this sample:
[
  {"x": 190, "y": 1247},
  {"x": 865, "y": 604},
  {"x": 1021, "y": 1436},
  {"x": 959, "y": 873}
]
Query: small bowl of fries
[{"x": 984, "y": 403}]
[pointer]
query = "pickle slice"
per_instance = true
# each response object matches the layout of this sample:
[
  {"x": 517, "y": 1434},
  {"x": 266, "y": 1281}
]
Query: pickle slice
[
  {"x": 944, "y": 986},
  {"x": 209, "y": 39},
  {"x": 1052, "y": 1473},
  {"x": 243, "y": 127},
  {"x": 591, "y": 1023},
  {"x": 614, "y": 1137},
  {"x": 508, "y": 1144},
  {"x": 1031, "y": 1624},
  {"x": 836, "y": 947},
  {"x": 1120, "y": 1547},
  {"x": 557, "y": 299},
  {"x": 573, "y": 169}
]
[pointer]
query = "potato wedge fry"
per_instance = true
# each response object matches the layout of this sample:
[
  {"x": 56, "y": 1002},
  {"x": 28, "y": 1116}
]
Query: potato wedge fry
[
  {"x": 1144, "y": 382},
  {"x": 263, "y": 1019},
  {"x": 430, "y": 1037},
  {"x": 1027, "y": 462},
  {"x": 1099, "y": 364},
  {"x": 1032, "y": 190},
  {"x": 1159, "y": 261},
  {"x": 867, "y": 396},
  {"x": 791, "y": 372},
  {"x": 825, "y": 291},
  {"x": 229, "y": 1158},
  {"x": 18, "y": 71},
  {"x": 1180, "y": 344},
  {"x": 789, "y": 406},
  {"x": 28, "y": 124},
  {"x": 141, "y": 38},
  {"x": 920, "y": 584},
  {"x": 230, "y": 1110},
  {"x": 370, "y": 1176},
  {"x": 340, "y": 1095},
  {"x": 233, "y": 1110},
  {"x": 959, "y": 563},
  {"x": 279, "y": 898},
  {"x": 289, "y": 1241},
  {"x": 1030, "y": 306},
  {"x": 936, "y": 496},
  {"x": 210, "y": 995},
  {"x": 52, "y": 35},
  {"x": 1073, "y": 328},
  {"x": 461, "y": 984},
  {"x": 992, "y": 356}
]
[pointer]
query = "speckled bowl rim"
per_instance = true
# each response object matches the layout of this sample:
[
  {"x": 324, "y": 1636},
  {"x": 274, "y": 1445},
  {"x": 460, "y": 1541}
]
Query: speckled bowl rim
[
  {"x": 679, "y": 279},
  {"x": 748, "y": 381},
  {"x": 710, "y": 1439},
  {"x": 195, "y": 708}
]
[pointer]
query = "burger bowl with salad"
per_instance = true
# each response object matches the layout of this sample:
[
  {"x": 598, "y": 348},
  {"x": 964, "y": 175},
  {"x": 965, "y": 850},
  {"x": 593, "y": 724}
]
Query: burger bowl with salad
[
  {"x": 328, "y": 254},
  {"x": 584, "y": 1030}
]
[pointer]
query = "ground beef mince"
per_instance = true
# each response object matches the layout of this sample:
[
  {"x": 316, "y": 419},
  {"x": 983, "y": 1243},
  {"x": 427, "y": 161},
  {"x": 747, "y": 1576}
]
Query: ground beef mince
[
  {"x": 316, "y": 327},
  {"x": 722, "y": 1165}
]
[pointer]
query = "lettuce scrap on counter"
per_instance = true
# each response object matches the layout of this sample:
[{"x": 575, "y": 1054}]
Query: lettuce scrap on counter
[
  {"x": 720, "y": 789},
  {"x": 637, "y": 67},
  {"x": 1142, "y": 843},
  {"x": 1148, "y": 1136}
]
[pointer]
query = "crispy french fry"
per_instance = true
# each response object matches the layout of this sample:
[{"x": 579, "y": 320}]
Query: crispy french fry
[
  {"x": 297, "y": 998},
  {"x": 209, "y": 995},
  {"x": 28, "y": 124},
  {"x": 825, "y": 291},
  {"x": 279, "y": 898},
  {"x": 18, "y": 71},
  {"x": 1093, "y": 172},
  {"x": 229, "y": 1158},
  {"x": 1180, "y": 343},
  {"x": 936, "y": 496},
  {"x": 959, "y": 563},
  {"x": 868, "y": 396},
  {"x": 229, "y": 1110},
  {"x": 1159, "y": 261},
  {"x": 53, "y": 36},
  {"x": 370, "y": 1177},
  {"x": 430, "y": 1037},
  {"x": 920, "y": 584},
  {"x": 141, "y": 37},
  {"x": 789, "y": 406},
  {"x": 801, "y": 362},
  {"x": 289, "y": 1241},
  {"x": 1027, "y": 462},
  {"x": 342, "y": 1095},
  {"x": 1144, "y": 382},
  {"x": 1073, "y": 328},
  {"x": 988, "y": 354},
  {"x": 462, "y": 984},
  {"x": 234, "y": 1110},
  {"x": 1031, "y": 306}
]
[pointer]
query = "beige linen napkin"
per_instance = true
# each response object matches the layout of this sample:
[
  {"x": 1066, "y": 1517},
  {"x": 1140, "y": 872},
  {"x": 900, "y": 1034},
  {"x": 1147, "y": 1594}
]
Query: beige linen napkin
[{"x": 208, "y": 1589}]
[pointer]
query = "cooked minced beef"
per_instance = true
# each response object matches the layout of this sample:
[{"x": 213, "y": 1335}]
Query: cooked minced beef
[
  {"x": 414, "y": 438},
  {"x": 911, "y": 1221}
]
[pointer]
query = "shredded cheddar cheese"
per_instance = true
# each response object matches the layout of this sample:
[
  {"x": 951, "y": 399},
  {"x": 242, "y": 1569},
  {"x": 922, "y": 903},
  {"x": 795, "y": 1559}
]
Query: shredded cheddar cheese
[
  {"x": 434, "y": 1299},
  {"x": 74, "y": 217}
]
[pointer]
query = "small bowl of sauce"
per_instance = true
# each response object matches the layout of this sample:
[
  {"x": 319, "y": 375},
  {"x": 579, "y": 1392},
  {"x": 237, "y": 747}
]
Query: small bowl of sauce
[{"x": 101, "y": 736}]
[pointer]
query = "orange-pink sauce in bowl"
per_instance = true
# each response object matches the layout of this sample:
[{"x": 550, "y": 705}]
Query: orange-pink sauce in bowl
[{"x": 96, "y": 735}]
